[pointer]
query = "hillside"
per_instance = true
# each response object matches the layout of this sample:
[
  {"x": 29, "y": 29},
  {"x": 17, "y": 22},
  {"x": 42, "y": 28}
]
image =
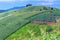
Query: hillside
[
  {"x": 35, "y": 32},
  {"x": 13, "y": 20}
]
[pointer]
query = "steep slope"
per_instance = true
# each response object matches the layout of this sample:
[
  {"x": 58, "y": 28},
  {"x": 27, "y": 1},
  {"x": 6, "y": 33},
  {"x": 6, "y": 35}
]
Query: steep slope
[{"x": 13, "y": 20}]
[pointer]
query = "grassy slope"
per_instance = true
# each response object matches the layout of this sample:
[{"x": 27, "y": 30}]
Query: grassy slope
[
  {"x": 13, "y": 20},
  {"x": 35, "y": 32}
]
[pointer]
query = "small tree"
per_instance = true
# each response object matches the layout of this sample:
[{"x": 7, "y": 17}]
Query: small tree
[
  {"x": 28, "y": 5},
  {"x": 51, "y": 8}
]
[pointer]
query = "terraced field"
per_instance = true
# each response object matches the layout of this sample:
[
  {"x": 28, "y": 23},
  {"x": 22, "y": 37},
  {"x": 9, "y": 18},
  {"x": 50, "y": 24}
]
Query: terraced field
[{"x": 11, "y": 21}]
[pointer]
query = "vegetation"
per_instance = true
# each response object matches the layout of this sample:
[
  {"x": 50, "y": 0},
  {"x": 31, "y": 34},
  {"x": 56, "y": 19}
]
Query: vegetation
[
  {"x": 13, "y": 20},
  {"x": 45, "y": 8},
  {"x": 35, "y": 32},
  {"x": 51, "y": 8},
  {"x": 49, "y": 29},
  {"x": 28, "y": 5}
]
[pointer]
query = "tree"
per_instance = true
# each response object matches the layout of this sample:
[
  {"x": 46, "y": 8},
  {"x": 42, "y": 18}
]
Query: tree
[
  {"x": 28, "y": 5},
  {"x": 51, "y": 8}
]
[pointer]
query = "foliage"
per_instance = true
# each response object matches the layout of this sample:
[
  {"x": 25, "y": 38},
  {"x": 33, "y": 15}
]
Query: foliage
[
  {"x": 28, "y": 5},
  {"x": 45, "y": 8},
  {"x": 33, "y": 32},
  {"x": 49, "y": 29},
  {"x": 11, "y": 21}
]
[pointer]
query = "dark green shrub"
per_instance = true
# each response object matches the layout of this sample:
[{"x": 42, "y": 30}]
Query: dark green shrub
[
  {"x": 51, "y": 8},
  {"x": 40, "y": 9},
  {"x": 49, "y": 29},
  {"x": 58, "y": 37}
]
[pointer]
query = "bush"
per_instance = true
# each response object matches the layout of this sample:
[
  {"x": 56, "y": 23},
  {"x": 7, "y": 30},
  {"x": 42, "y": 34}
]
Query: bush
[
  {"x": 49, "y": 29},
  {"x": 40, "y": 9},
  {"x": 51, "y": 8},
  {"x": 58, "y": 37}
]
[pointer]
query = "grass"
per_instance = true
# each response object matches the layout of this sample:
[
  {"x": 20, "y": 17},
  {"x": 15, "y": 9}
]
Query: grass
[
  {"x": 12, "y": 20},
  {"x": 34, "y": 32}
]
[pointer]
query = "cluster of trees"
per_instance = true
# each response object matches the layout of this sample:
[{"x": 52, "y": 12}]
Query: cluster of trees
[{"x": 28, "y": 5}]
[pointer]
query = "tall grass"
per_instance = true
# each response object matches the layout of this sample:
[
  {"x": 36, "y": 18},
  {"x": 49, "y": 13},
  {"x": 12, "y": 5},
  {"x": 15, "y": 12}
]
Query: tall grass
[{"x": 35, "y": 32}]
